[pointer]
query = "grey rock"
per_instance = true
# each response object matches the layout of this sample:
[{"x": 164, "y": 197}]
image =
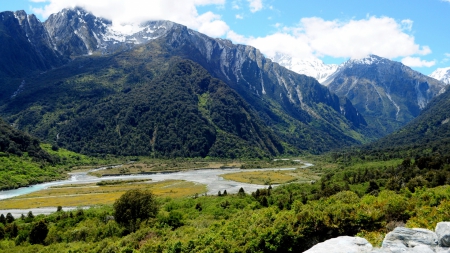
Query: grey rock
[
  {"x": 402, "y": 238},
  {"x": 443, "y": 234},
  {"x": 442, "y": 250},
  {"x": 343, "y": 244}
]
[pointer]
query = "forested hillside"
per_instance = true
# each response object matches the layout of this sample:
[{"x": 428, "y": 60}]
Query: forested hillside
[
  {"x": 15, "y": 142},
  {"x": 429, "y": 133},
  {"x": 175, "y": 109}
]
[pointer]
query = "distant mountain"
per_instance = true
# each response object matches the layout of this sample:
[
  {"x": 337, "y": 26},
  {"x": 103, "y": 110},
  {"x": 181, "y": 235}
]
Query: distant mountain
[
  {"x": 270, "y": 106},
  {"x": 427, "y": 134},
  {"x": 442, "y": 74},
  {"x": 310, "y": 67},
  {"x": 387, "y": 93},
  {"x": 26, "y": 50},
  {"x": 26, "y": 46}
]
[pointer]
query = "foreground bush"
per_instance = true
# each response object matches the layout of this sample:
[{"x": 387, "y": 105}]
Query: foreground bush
[{"x": 134, "y": 207}]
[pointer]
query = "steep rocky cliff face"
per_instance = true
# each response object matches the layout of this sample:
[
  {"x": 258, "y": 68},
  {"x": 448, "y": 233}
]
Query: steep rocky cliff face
[
  {"x": 387, "y": 93},
  {"x": 26, "y": 46}
]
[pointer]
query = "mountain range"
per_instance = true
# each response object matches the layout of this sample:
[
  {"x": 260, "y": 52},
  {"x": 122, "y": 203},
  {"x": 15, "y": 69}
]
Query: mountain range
[
  {"x": 387, "y": 93},
  {"x": 160, "y": 88}
]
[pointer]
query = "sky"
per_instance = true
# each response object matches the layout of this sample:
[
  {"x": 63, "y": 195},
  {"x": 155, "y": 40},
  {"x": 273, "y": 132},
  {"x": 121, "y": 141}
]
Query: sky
[{"x": 414, "y": 32}]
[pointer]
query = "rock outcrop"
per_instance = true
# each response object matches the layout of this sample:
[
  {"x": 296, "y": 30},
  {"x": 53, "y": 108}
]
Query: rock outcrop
[
  {"x": 343, "y": 244},
  {"x": 401, "y": 240}
]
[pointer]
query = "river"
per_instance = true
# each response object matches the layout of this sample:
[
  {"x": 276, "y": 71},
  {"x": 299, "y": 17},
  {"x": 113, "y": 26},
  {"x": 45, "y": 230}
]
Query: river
[{"x": 209, "y": 177}]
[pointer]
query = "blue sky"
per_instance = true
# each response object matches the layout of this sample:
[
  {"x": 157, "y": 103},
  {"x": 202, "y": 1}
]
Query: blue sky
[{"x": 415, "y": 32}]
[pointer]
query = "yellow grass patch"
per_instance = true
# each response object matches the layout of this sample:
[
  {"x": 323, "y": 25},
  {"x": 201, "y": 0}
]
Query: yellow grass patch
[
  {"x": 155, "y": 166},
  {"x": 91, "y": 194},
  {"x": 267, "y": 177}
]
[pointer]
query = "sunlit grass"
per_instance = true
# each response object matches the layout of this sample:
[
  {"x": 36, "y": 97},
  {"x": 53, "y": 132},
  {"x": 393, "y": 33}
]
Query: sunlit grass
[
  {"x": 92, "y": 194},
  {"x": 272, "y": 177},
  {"x": 163, "y": 165}
]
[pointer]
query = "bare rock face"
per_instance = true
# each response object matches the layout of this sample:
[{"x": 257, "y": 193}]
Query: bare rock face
[
  {"x": 409, "y": 238},
  {"x": 443, "y": 234},
  {"x": 401, "y": 240},
  {"x": 343, "y": 244}
]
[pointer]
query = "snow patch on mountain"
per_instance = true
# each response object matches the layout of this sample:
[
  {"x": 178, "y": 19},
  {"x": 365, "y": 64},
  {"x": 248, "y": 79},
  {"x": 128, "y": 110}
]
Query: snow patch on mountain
[
  {"x": 311, "y": 67},
  {"x": 442, "y": 74}
]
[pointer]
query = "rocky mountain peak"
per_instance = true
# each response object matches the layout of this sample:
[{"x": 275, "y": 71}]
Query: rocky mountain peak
[
  {"x": 78, "y": 32},
  {"x": 442, "y": 74},
  {"x": 312, "y": 67},
  {"x": 369, "y": 60},
  {"x": 384, "y": 90}
]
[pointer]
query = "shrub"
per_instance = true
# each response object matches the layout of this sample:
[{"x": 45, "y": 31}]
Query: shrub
[
  {"x": 135, "y": 206},
  {"x": 38, "y": 233}
]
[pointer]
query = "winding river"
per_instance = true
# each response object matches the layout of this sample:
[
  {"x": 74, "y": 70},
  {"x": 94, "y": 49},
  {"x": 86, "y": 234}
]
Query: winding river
[{"x": 209, "y": 177}]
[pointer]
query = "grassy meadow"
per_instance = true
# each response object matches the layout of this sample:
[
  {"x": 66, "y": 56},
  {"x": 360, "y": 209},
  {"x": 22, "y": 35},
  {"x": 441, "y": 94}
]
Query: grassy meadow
[{"x": 93, "y": 194}]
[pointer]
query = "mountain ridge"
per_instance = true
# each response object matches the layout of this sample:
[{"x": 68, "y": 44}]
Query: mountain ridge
[
  {"x": 297, "y": 108},
  {"x": 311, "y": 67},
  {"x": 387, "y": 93}
]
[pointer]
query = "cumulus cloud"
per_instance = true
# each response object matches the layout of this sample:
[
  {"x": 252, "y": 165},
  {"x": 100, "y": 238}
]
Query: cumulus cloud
[
  {"x": 134, "y": 11},
  {"x": 417, "y": 62},
  {"x": 238, "y": 16},
  {"x": 317, "y": 37},
  {"x": 255, "y": 5}
]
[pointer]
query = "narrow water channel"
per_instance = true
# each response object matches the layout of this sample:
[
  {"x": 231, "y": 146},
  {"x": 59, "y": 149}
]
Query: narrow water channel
[{"x": 209, "y": 177}]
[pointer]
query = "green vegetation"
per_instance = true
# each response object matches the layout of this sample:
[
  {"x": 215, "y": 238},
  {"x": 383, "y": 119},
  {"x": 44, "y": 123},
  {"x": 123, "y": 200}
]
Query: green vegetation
[
  {"x": 23, "y": 161},
  {"x": 273, "y": 177},
  {"x": 365, "y": 199},
  {"x": 134, "y": 207},
  {"x": 156, "y": 113},
  {"x": 426, "y": 135}
]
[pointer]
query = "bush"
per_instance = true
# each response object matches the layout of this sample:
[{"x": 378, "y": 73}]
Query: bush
[
  {"x": 38, "y": 233},
  {"x": 133, "y": 207},
  {"x": 9, "y": 218}
]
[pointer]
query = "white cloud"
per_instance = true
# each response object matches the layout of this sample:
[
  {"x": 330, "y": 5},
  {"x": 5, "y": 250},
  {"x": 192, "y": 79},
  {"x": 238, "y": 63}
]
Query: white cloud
[
  {"x": 446, "y": 57},
  {"x": 407, "y": 24},
  {"x": 238, "y": 16},
  {"x": 255, "y": 5},
  {"x": 417, "y": 62},
  {"x": 210, "y": 24},
  {"x": 236, "y": 4},
  {"x": 129, "y": 11},
  {"x": 317, "y": 37},
  {"x": 237, "y": 38}
]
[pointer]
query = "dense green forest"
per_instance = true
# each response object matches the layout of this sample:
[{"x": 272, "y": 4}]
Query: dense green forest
[
  {"x": 364, "y": 199},
  {"x": 176, "y": 109},
  {"x": 25, "y": 161}
]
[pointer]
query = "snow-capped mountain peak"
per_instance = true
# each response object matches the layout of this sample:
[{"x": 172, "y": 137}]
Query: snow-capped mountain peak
[
  {"x": 88, "y": 33},
  {"x": 369, "y": 60},
  {"x": 311, "y": 66},
  {"x": 442, "y": 74}
]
